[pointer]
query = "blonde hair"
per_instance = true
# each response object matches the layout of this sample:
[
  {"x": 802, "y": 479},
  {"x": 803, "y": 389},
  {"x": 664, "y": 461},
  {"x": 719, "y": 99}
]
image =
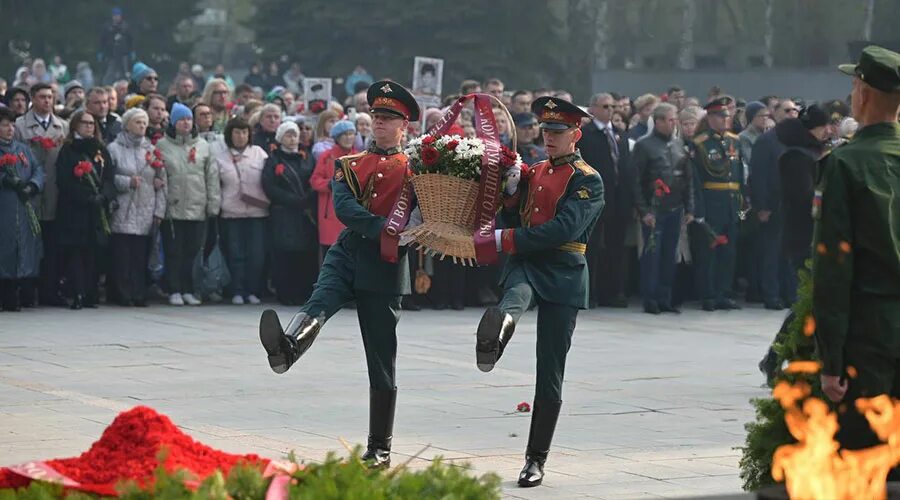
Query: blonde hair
[
  {"x": 324, "y": 116},
  {"x": 644, "y": 100},
  {"x": 206, "y": 98},
  {"x": 257, "y": 113}
]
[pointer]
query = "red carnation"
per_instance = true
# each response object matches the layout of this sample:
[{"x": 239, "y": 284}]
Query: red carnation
[
  {"x": 82, "y": 168},
  {"x": 279, "y": 169},
  {"x": 157, "y": 164},
  {"x": 192, "y": 155},
  {"x": 452, "y": 144},
  {"x": 44, "y": 142},
  {"x": 523, "y": 407},
  {"x": 661, "y": 188},
  {"x": 430, "y": 155},
  {"x": 429, "y": 139},
  {"x": 8, "y": 159},
  {"x": 719, "y": 241},
  {"x": 148, "y": 157},
  {"x": 157, "y": 153},
  {"x": 156, "y": 137}
]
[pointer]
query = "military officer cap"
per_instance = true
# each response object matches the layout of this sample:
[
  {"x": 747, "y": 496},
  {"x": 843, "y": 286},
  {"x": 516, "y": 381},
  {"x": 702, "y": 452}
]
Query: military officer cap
[
  {"x": 877, "y": 66},
  {"x": 719, "y": 105},
  {"x": 557, "y": 114},
  {"x": 392, "y": 98}
]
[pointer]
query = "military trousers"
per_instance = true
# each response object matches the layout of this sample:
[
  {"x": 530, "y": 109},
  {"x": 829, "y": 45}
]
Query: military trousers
[
  {"x": 378, "y": 314},
  {"x": 714, "y": 267},
  {"x": 555, "y": 326}
]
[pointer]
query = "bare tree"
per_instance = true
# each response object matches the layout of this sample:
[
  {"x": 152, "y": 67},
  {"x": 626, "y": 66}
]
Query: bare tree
[
  {"x": 769, "y": 33},
  {"x": 870, "y": 16},
  {"x": 601, "y": 42}
]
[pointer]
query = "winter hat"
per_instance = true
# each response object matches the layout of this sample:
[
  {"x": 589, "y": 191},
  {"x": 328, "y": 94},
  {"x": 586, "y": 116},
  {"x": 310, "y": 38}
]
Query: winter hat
[
  {"x": 72, "y": 85},
  {"x": 134, "y": 100},
  {"x": 341, "y": 127},
  {"x": 813, "y": 116},
  {"x": 179, "y": 112},
  {"x": 753, "y": 108},
  {"x": 132, "y": 114},
  {"x": 285, "y": 127},
  {"x": 140, "y": 71}
]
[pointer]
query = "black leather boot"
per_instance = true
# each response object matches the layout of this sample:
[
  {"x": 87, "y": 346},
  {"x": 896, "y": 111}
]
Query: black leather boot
[
  {"x": 543, "y": 423},
  {"x": 381, "y": 428},
  {"x": 494, "y": 331},
  {"x": 285, "y": 347},
  {"x": 77, "y": 302}
]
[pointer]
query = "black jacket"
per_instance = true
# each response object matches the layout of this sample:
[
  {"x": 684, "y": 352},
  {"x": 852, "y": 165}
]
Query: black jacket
[
  {"x": 81, "y": 203},
  {"x": 618, "y": 182},
  {"x": 765, "y": 185},
  {"x": 263, "y": 139},
  {"x": 292, "y": 214},
  {"x": 662, "y": 158},
  {"x": 796, "y": 173}
]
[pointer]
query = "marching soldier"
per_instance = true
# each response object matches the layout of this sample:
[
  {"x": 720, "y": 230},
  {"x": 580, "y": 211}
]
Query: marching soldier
[
  {"x": 718, "y": 186},
  {"x": 366, "y": 187},
  {"x": 856, "y": 262},
  {"x": 549, "y": 219}
]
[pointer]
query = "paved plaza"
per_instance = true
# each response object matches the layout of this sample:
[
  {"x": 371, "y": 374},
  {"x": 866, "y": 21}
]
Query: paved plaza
[{"x": 654, "y": 406}]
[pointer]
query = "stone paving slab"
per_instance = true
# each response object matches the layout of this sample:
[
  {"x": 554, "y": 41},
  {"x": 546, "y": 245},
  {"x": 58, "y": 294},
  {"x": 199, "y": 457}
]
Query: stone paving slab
[{"x": 654, "y": 405}]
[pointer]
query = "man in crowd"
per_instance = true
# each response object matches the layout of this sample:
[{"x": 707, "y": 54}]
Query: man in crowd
[
  {"x": 355, "y": 269},
  {"x": 494, "y": 87},
  {"x": 549, "y": 219},
  {"x": 144, "y": 79},
  {"x": 718, "y": 187},
  {"x": 766, "y": 197},
  {"x": 676, "y": 97},
  {"x": 526, "y": 132},
  {"x": 116, "y": 48},
  {"x": 185, "y": 93},
  {"x": 469, "y": 87},
  {"x": 607, "y": 152},
  {"x": 520, "y": 102},
  {"x": 664, "y": 201},
  {"x": 98, "y": 106},
  {"x": 45, "y": 132},
  {"x": 856, "y": 263}
]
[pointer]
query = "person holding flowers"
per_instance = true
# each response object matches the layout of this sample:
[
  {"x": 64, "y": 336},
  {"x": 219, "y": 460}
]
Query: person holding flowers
[
  {"x": 548, "y": 214},
  {"x": 371, "y": 197},
  {"x": 664, "y": 201},
  {"x": 85, "y": 177},
  {"x": 140, "y": 205},
  {"x": 292, "y": 216},
  {"x": 21, "y": 180}
]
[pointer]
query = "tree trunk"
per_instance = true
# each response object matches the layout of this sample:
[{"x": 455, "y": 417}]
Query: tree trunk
[
  {"x": 768, "y": 33},
  {"x": 870, "y": 16},
  {"x": 601, "y": 27},
  {"x": 686, "y": 50}
]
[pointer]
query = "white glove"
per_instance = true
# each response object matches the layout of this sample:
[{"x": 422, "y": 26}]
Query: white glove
[
  {"x": 498, "y": 238},
  {"x": 512, "y": 175}
]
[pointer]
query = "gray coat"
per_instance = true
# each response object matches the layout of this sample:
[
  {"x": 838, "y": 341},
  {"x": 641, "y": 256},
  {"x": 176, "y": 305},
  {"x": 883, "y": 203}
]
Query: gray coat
[
  {"x": 27, "y": 130},
  {"x": 20, "y": 246},
  {"x": 134, "y": 209}
]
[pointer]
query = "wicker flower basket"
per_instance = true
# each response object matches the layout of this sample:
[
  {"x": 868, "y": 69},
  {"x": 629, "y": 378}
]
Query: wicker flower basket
[{"x": 448, "y": 211}]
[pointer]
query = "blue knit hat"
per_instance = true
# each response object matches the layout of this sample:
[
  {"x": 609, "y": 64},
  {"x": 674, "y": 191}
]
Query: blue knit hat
[
  {"x": 340, "y": 127},
  {"x": 140, "y": 71},
  {"x": 753, "y": 107},
  {"x": 179, "y": 112}
]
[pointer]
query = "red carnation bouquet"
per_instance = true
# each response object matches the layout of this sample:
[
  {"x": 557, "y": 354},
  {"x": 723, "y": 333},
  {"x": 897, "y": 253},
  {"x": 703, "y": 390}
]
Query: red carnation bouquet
[
  {"x": 85, "y": 170},
  {"x": 660, "y": 189},
  {"x": 46, "y": 143},
  {"x": 8, "y": 162},
  {"x": 454, "y": 156}
]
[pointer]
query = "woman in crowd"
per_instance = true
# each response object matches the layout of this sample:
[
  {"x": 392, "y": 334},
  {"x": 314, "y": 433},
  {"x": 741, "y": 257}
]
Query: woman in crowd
[
  {"x": 217, "y": 95},
  {"x": 285, "y": 180},
  {"x": 620, "y": 122},
  {"x": 192, "y": 195},
  {"x": 363, "y": 123},
  {"x": 203, "y": 120},
  {"x": 39, "y": 72},
  {"x": 306, "y": 134},
  {"x": 21, "y": 179},
  {"x": 265, "y": 126},
  {"x": 330, "y": 227},
  {"x": 140, "y": 206},
  {"x": 244, "y": 211},
  {"x": 84, "y": 175},
  {"x": 323, "y": 139}
]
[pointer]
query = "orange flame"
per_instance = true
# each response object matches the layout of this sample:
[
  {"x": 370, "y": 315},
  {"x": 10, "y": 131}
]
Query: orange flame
[{"x": 814, "y": 468}]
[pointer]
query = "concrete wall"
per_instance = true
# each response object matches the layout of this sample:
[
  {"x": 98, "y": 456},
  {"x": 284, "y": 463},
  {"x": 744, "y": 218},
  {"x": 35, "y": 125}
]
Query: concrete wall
[{"x": 811, "y": 84}]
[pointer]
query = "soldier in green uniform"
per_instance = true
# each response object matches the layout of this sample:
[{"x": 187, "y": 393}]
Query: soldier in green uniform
[
  {"x": 548, "y": 219},
  {"x": 718, "y": 185},
  {"x": 366, "y": 188},
  {"x": 856, "y": 263}
]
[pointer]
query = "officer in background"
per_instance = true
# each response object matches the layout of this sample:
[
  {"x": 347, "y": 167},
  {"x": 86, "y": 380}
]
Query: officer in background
[
  {"x": 549, "y": 219},
  {"x": 718, "y": 187},
  {"x": 526, "y": 133},
  {"x": 365, "y": 187},
  {"x": 856, "y": 259}
]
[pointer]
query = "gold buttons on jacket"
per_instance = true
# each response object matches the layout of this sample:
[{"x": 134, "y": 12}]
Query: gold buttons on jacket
[
  {"x": 374, "y": 195},
  {"x": 537, "y": 209},
  {"x": 383, "y": 158},
  {"x": 540, "y": 188},
  {"x": 380, "y": 175},
  {"x": 352, "y": 163},
  {"x": 549, "y": 170}
]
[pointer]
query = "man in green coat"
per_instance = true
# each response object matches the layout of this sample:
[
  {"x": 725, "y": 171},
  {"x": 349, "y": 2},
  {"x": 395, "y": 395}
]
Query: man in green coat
[
  {"x": 368, "y": 194},
  {"x": 856, "y": 263},
  {"x": 548, "y": 219},
  {"x": 718, "y": 187}
]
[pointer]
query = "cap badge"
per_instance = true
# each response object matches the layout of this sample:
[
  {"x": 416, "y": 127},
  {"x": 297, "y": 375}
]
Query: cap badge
[
  {"x": 550, "y": 104},
  {"x": 387, "y": 88}
]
